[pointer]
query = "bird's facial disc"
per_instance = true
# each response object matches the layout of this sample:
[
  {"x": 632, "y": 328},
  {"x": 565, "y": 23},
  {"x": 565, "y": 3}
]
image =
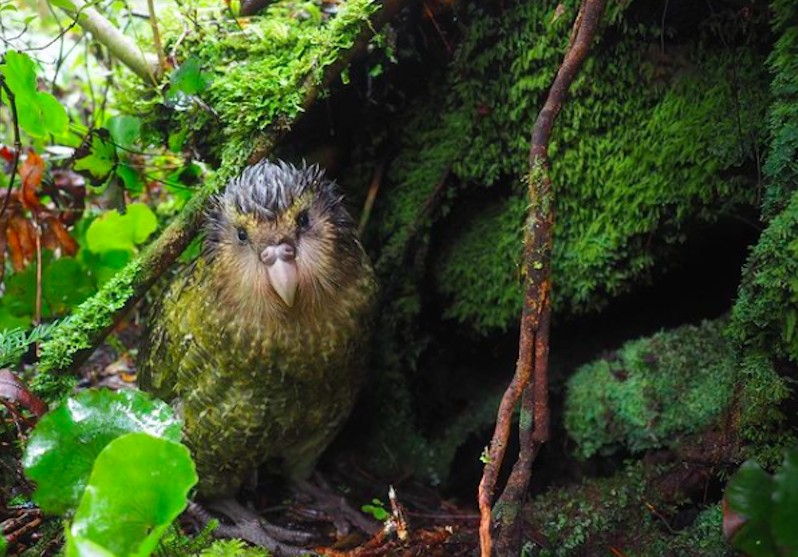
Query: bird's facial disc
[{"x": 280, "y": 261}]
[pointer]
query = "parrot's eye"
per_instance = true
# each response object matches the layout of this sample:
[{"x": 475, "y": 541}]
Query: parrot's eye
[
  {"x": 242, "y": 235},
  {"x": 303, "y": 220}
]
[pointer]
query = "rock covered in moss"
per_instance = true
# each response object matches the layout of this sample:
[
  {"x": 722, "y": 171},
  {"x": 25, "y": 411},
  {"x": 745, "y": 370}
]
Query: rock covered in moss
[
  {"x": 648, "y": 144},
  {"x": 627, "y": 512},
  {"x": 651, "y": 391}
]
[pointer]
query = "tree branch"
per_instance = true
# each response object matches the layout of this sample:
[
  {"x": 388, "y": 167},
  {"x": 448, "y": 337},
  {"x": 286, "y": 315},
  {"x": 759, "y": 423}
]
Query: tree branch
[
  {"x": 75, "y": 339},
  {"x": 531, "y": 374},
  {"x": 122, "y": 47}
]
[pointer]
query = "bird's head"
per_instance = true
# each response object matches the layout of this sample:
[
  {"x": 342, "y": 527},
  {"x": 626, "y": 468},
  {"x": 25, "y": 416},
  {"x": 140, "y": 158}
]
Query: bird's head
[{"x": 279, "y": 238}]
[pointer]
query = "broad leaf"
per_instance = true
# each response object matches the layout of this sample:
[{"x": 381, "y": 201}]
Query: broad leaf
[
  {"x": 138, "y": 486},
  {"x": 39, "y": 113},
  {"x": 63, "y": 446},
  {"x": 188, "y": 79},
  {"x": 749, "y": 495},
  {"x": 785, "y": 504},
  {"x": 112, "y": 231},
  {"x": 125, "y": 130}
]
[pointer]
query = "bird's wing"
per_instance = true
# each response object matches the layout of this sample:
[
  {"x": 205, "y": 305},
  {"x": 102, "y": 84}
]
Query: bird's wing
[{"x": 159, "y": 354}]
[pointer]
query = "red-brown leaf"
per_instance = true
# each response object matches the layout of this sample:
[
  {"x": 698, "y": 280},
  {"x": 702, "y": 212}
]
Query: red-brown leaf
[
  {"x": 68, "y": 243},
  {"x": 27, "y": 237},
  {"x": 32, "y": 172},
  {"x": 14, "y": 249},
  {"x": 14, "y": 390}
]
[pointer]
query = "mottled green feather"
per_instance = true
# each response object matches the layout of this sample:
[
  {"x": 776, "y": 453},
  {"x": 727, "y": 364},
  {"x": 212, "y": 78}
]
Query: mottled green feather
[{"x": 255, "y": 380}]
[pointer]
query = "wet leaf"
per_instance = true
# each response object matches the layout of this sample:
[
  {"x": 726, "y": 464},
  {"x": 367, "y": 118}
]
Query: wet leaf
[
  {"x": 785, "y": 504},
  {"x": 749, "y": 495},
  {"x": 64, "y": 445},
  {"x": 138, "y": 486}
]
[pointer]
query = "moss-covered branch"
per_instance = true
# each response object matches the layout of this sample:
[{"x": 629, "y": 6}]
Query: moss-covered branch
[{"x": 343, "y": 37}]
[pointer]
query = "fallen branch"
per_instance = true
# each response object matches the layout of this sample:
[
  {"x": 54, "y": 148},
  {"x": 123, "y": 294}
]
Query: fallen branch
[
  {"x": 530, "y": 382},
  {"x": 73, "y": 341}
]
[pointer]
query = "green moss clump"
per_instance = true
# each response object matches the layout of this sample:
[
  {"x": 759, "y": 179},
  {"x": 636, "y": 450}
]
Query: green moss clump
[
  {"x": 765, "y": 315},
  {"x": 781, "y": 166},
  {"x": 647, "y": 144},
  {"x": 766, "y": 312},
  {"x": 257, "y": 74},
  {"x": 585, "y": 519},
  {"x": 652, "y": 391}
]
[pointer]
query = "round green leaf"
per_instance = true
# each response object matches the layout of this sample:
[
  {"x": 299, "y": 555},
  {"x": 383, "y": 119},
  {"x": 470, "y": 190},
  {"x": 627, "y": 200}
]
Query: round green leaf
[
  {"x": 785, "y": 504},
  {"x": 139, "y": 485},
  {"x": 112, "y": 231},
  {"x": 62, "y": 448}
]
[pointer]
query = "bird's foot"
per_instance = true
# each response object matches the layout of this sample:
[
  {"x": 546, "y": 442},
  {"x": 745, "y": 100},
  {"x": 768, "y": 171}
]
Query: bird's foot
[
  {"x": 343, "y": 516},
  {"x": 248, "y": 526}
]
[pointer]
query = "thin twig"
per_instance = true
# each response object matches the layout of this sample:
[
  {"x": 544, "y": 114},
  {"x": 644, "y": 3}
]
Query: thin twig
[
  {"x": 156, "y": 35},
  {"x": 17, "y": 142},
  {"x": 374, "y": 188}
]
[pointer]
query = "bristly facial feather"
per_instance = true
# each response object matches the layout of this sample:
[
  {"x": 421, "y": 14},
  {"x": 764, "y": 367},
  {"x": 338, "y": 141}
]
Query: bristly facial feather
[{"x": 270, "y": 203}]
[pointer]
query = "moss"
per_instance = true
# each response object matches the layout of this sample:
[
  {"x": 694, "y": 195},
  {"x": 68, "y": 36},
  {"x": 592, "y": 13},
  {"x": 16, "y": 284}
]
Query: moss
[
  {"x": 781, "y": 166},
  {"x": 258, "y": 74},
  {"x": 703, "y": 538},
  {"x": 626, "y": 512},
  {"x": 646, "y": 145},
  {"x": 651, "y": 391},
  {"x": 765, "y": 315},
  {"x": 79, "y": 331}
]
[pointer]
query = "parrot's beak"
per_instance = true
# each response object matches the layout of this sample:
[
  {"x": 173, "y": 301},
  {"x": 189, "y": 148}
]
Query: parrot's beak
[{"x": 281, "y": 267}]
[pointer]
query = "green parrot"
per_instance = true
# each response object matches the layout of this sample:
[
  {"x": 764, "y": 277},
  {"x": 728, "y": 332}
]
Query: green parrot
[{"x": 260, "y": 343}]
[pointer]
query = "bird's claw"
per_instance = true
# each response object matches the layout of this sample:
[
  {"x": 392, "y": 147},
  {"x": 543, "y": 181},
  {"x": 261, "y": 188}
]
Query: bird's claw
[
  {"x": 248, "y": 526},
  {"x": 341, "y": 513}
]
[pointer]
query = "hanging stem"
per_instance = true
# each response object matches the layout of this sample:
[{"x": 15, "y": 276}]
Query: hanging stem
[{"x": 531, "y": 375}]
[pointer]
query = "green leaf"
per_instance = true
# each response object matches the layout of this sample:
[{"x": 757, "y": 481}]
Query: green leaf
[
  {"x": 749, "y": 495},
  {"x": 785, "y": 504},
  {"x": 112, "y": 231},
  {"x": 125, "y": 130},
  {"x": 138, "y": 486},
  {"x": 130, "y": 178},
  {"x": 188, "y": 79},
  {"x": 64, "y": 4},
  {"x": 3, "y": 546},
  {"x": 19, "y": 72},
  {"x": 101, "y": 158},
  {"x": 39, "y": 113},
  {"x": 62, "y": 448}
]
